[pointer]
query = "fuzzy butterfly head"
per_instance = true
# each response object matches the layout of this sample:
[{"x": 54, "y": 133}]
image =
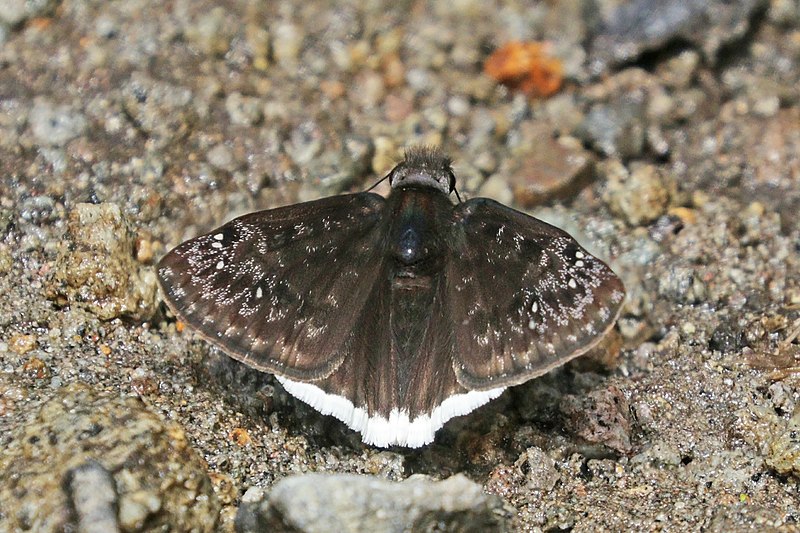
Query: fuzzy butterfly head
[{"x": 424, "y": 166}]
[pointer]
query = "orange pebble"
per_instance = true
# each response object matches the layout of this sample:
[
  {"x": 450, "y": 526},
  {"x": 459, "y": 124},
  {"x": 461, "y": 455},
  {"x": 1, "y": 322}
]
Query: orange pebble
[
  {"x": 527, "y": 67},
  {"x": 240, "y": 436}
]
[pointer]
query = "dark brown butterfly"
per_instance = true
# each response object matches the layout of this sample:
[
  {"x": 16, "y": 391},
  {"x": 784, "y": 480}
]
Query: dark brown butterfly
[{"x": 394, "y": 314}]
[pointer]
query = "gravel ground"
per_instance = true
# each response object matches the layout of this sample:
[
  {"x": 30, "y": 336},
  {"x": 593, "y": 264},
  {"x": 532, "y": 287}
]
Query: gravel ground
[{"x": 672, "y": 150}]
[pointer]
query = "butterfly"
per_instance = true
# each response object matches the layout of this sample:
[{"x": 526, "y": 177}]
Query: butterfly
[{"x": 394, "y": 314}]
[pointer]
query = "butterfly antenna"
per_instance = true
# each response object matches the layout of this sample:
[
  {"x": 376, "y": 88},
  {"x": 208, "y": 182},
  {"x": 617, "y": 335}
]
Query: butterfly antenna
[
  {"x": 457, "y": 196},
  {"x": 379, "y": 182}
]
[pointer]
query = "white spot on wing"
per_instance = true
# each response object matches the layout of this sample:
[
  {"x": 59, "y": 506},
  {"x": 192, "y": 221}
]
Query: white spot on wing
[
  {"x": 572, "y": 284},
  {"x": 398, "y": 428},
  {"x": 219, "y": 236},
  {"x": 220, "y": 265}
]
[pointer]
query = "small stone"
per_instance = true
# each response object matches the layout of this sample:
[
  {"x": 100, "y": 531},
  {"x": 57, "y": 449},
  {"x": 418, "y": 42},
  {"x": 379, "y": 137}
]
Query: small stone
[
  {"x": 220, "y": 156},
  {"x": 371, "y": 89},
  {"x": 240, "y": 436},
  {"x": 144, "y": 249},
  {"x": 542, "y": 474},
  {"x": 635, "y": 27},
  {"x": 21, "y": 344},
  {"x": 679, "y": 71},
  {"x": 258, "y": 43},
  {"x": 600, "y": 417},
  {"x": 497, "y": 188},
  {"x": 94, "y": 498},
  {"x": 784, "y": 448},
  {"x": 615, "y": 129},
  {"x": 385, "y": 155},
  {"x": 394, "y": 71},
  {"x": 305, "y": 142},
  {"x": 349, "y": 503},
  {"x": 96, "y": 267},
  {"x": 387, "y": 465},
  {"x": 36, "y": 368},
  {"x": 212, "y": 33},
  {"x": 286, "y": 44},
  {"x": 659, "y": 454},
  {"x": 55, "y": 125},
  {"x": 136, "y": 508},
  {"x": 543, "y": 168},
  {"x": 640, "y": 196},
  {"x": 163, "y": 110},
  {"x": 243, "y": 110}
]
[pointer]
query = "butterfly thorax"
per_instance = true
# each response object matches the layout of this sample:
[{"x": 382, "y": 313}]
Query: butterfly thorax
[{"x": 418, "y": 223}]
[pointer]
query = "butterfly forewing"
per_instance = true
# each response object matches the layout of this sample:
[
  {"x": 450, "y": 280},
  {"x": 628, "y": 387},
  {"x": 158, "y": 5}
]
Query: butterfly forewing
[
  {"x": 253, "y": 286},
  {"x": 525, "y": 296}
]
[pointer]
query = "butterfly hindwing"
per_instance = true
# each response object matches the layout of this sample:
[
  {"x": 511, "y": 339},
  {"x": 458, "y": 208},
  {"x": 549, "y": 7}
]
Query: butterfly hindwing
[
  {"x": 525, "y": 296},
  {"x": 278, "y": 289}
]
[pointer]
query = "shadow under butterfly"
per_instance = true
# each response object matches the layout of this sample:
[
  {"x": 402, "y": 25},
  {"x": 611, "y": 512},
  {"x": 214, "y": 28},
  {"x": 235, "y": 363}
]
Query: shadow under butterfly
[{"x": 394, "y": 314}]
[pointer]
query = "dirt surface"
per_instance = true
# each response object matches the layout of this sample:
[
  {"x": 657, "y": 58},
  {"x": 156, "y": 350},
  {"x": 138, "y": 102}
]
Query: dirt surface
[{"x": 671, "y": 150}]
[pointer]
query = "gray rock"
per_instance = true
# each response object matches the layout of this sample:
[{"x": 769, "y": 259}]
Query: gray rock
[
  {"x": 783, "y": 454},
  {"x": 639, "y": 26},
  {"x": 615, "y": 129},
  {"x": 542, "y": 473},
  {"x": 600, "y": 417},
  {"x": 55, "y": 470},
  {"x": 93, "y": 497},
  {"x": 55, "y": 125},
  {"x": 543, "y": 168},
  {"x": 351, "y": 503},
  {"x": 243, "y": 110},
  {"x": 96, "y": 266},
  {"x": 13, "y": 12},
  {"x": 639, "y": 196},
  {"x": 164, "y": 111}
]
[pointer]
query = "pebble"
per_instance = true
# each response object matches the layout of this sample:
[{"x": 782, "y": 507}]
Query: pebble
[
  {"x": 543, "y": 168},
  {"x": 14, "y": 12},
  {"x": 541, "y": 469},
  {"x": 94, "y": 498},
  {"x": 633, "y": 28},
  {"x": 319, "y": 503},
  {"x": 497, "y": 188},
  {"x": 112, "y": 452},
  {"x": 243, "y": 110},
  {"x": 639, "y": 196},
  {"x": 600, "y": 417},
  {"x": 136, "y": 508},
  {"x": 220, "y": 156},
  {"x": 784, "y": 448},
  {"x": 96, "y": 266},
  {"x": 615, "y": 130},
  {"x": 211, "y": 33},
  {"x": 55, "y": 125},
  {"x": 286, "y": 44}
]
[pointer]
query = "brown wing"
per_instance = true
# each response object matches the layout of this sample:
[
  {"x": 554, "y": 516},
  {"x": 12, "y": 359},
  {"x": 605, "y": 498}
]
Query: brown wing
[
  {"x": 279, "y": 289},
  {"x": 525, "y": 296}
]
